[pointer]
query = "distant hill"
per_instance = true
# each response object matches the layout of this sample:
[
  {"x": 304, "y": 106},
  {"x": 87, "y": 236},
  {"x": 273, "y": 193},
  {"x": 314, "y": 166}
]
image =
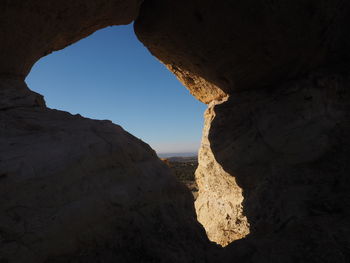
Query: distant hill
[
  {"x": 192, "y": 159},
  {"x": 169, "y": 155}
]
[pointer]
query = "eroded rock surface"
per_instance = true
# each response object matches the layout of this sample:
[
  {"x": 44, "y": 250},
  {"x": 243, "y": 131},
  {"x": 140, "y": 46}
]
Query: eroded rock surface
[
  {"x": 288, "y": 149},
  {"x": 219, "y": 203},
  {"x": 79, "y": 190},
  {"x": 282, "y": 135},
  {"x": 238, "y": 45},
  {"x": 32, "y": 29},
  {"x": 74, "y": 189}
]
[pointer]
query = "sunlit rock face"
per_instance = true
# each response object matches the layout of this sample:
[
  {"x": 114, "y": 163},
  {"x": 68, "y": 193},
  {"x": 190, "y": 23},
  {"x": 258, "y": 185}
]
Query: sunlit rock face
[
  {"x": 282, "y": 132},
  {"x": 35, "y": 28},
  {"x": 219, "y": 203},
  {"x": 79, "y": 190}
]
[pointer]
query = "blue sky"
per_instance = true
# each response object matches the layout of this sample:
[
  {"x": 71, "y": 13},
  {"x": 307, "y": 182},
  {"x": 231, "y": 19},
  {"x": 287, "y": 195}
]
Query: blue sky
[{"x": 111, "y": 75}]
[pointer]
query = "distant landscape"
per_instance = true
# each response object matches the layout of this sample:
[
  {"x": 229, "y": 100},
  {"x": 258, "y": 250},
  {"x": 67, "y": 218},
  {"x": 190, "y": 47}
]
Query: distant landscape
[
  {"x": 183, "y": 168},
  {"x": 185, "y": 154}
]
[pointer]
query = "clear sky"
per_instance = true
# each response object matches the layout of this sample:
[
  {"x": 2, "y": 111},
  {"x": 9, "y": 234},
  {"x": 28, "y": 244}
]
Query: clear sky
[{"x": 111, "y": 75}]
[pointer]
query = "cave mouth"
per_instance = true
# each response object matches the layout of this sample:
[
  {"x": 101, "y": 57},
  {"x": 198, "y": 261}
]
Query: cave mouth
[{"x": 111, "y": 75}]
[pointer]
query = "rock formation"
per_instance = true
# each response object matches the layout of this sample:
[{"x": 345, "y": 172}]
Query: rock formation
[
  {"x": 74, "y": 189},
  {"x": 231, "y": 46},
  {"x": 274, "y": 154},
  {"x": 80, "y": 190},
  {"x": 35, "y": 28},
  {"x": 277, "y": 125},
  {"x": 219, "y": 203},
  {"x": 288, "y": 149}
]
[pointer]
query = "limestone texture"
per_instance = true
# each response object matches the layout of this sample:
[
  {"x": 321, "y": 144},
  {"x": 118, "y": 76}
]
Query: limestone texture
[{"x": 219, "y": 202}]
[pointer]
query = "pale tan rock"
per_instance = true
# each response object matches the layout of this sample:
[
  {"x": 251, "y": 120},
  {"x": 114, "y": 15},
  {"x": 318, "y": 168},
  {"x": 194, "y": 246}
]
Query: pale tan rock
[
  {"x": 200, "y": 88},
  {"x": 219, "y": 202}
]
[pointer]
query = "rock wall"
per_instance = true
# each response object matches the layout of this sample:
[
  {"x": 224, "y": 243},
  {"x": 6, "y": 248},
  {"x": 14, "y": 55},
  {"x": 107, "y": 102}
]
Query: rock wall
[
  {"x": 79, "y": 190},
  {"x": 288, "y": 149},
  {"x": 282, "y": 134},
  {"x": 238, "y": 45},
  {"x": 74, "y": 189},
  {"x": 219, "y": 203},
  {"x": 35, "y": 28}
]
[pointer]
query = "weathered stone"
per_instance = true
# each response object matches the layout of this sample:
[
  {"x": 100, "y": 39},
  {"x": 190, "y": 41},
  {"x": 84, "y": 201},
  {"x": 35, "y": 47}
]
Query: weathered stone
[
  {"x": 288, "y": 149},
  {"x": 238, "y": 45},
  {"x": 79, "y": 190},
  {"x": 219, "y": 202},
  {"x": 32, "y": 29},
  {"x": 74, "y": 189},
  {"x": 282, "y": 135},
  {"x": 202, "y": 89}
]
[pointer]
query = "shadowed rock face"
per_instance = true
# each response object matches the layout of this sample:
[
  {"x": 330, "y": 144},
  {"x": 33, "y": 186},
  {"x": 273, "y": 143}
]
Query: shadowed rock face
[
  {"x": 239, "y": 45},
  {"x": 79, "y": 190},
  {"x": 288, "y": 150},
  {"x": 33, "y": 29},
  {"x": 275, "y": 76},
  {"x": 74, "y": 189},
  {"x": 279, "y": 127}
]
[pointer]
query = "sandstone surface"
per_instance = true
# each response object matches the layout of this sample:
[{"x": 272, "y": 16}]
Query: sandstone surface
[
  {"x": 79, "y": 190},
  {"x": 219, "y": 203}
]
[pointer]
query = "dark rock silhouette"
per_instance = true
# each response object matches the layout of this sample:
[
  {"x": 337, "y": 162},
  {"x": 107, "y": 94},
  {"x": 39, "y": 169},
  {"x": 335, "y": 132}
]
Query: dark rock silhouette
[
  {"x": 275, "y": 76},
  {"x": 279, "y": 135}
]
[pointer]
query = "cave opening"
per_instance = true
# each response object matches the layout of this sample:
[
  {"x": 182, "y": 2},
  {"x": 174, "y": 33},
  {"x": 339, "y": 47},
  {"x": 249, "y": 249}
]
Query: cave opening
[
  {"x": 111, "y": 75},
  {"x": 276, "y": 133}
]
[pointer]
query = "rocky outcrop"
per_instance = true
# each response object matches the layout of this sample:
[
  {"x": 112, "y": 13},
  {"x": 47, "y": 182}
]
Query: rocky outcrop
[
  {"x": 282, "y": 134},
  {"x": 275, "y": 149},
  {"x": 79, "y": 190},
  {"x": 74, "y": 189},
  {"x": 33, "y": 29},
  {"x": 202, "y": 89},
  {"x": 288, "y": 149},
  {"x": 240, "y": 45},
  {"x": 219, "y": 203}
]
